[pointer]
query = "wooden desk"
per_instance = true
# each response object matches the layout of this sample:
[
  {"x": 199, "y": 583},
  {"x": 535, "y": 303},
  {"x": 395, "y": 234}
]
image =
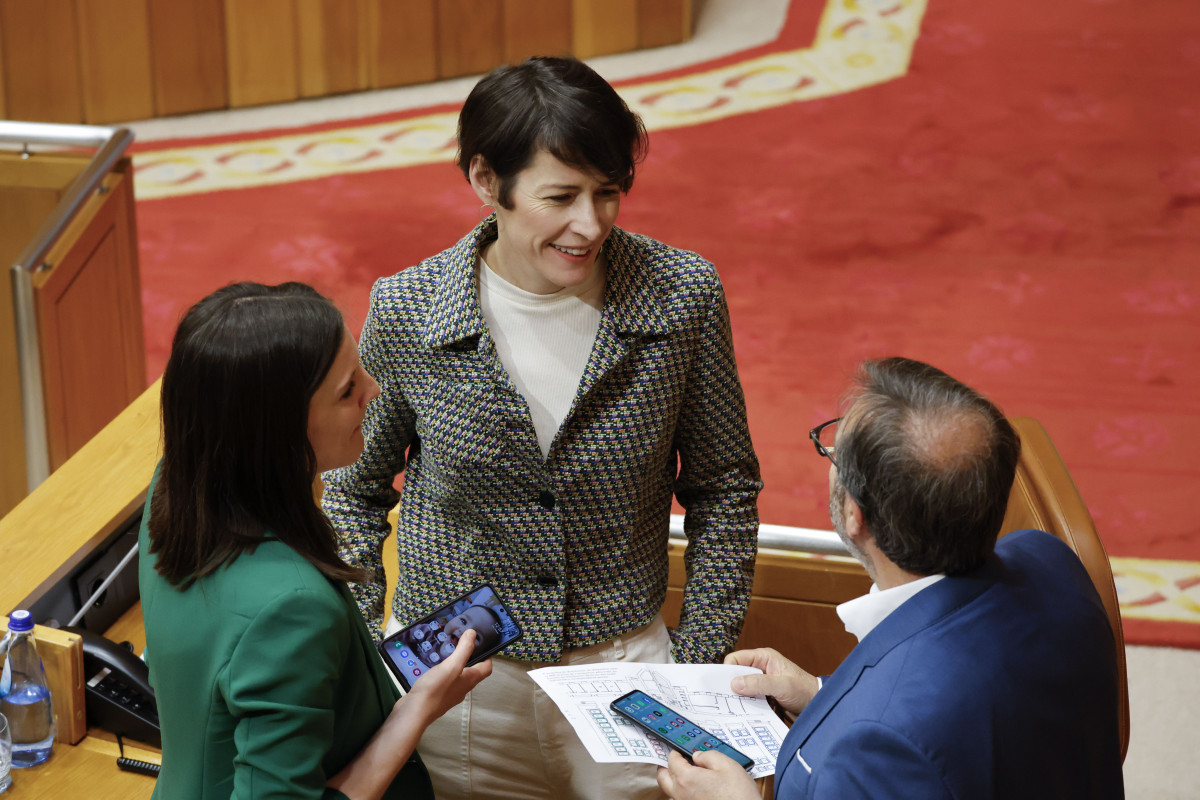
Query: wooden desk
[
  {"x": 55, "y": 529},
  {"x": 88, "y": 769}
]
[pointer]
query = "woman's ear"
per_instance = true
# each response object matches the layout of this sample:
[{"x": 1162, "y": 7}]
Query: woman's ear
[{"x": 483, "y": 180}]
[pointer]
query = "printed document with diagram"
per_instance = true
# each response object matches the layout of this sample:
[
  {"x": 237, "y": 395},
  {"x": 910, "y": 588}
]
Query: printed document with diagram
[{"x": 699, "y": 692}]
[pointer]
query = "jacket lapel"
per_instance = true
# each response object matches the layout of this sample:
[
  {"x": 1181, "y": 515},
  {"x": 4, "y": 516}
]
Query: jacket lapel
[
  {"x": 455, "y": 325},
  {"x": 631, "y": 310},
  {"x": 922, "y": 610},
  {"x": 385, "y": 691},
  {"x": 454, "y": 314}
]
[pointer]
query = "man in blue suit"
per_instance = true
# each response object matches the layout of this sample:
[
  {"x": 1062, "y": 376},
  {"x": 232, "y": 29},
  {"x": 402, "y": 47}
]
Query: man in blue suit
[{"x": 983, "y": 669}]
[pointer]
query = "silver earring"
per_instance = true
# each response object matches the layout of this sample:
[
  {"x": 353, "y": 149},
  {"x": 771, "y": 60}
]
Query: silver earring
[{"x": 485, "y": 214}]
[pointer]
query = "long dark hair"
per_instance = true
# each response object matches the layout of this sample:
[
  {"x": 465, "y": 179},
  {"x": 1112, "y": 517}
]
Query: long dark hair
[{"x": 237, "y": 465}]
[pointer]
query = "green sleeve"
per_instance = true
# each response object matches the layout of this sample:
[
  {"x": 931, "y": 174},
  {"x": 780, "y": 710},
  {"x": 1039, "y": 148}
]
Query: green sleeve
[{"x": 280, "y": 687}]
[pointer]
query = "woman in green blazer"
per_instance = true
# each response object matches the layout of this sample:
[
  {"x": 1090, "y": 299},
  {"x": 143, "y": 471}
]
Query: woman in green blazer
[{"x": 267, "y": 680}]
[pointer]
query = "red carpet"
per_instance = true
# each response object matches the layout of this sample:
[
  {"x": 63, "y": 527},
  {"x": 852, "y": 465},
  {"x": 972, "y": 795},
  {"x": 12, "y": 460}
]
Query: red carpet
[{"x": 1022, "y": 209}]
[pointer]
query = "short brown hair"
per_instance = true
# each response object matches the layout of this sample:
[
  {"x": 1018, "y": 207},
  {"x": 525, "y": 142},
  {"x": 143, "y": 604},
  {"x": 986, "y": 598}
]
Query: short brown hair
[{"x": 930, "y": 462}]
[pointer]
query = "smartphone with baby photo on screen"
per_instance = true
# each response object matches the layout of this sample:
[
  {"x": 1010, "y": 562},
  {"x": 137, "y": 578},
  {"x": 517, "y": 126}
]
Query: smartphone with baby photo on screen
[{"x": 414, "y": 650}]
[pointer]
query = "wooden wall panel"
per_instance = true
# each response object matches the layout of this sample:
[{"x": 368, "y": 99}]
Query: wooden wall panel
[
  {"x": 536, "y": 28},
  {"x": 118, "y": 60},
  {"x": 114, "y": 52},
  {"x": 401, "y": 43},
  {"x": 17, "y": 207},
  {"x": 187, "y": 43},
  {"x": 129, "y": 286},
  {"x": 29, "y": 191},
  {"x": 89, "y": 320},
  {"x": 469, "y": 36},
  {"x": 41, "y": 60},
  {"x": 327, "y": 38},
  {"x": 601, "y": 27},
  {"x": 261, "y": 49},
  {"x": 3, "y": 102},
  {"x": 79, "y": 308},
  {"x": 663, "y": 22}
]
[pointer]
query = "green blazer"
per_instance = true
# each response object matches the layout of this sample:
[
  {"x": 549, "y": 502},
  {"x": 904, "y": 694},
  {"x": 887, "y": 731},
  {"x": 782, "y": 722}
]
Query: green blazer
[{"x": 266, "y": 677}]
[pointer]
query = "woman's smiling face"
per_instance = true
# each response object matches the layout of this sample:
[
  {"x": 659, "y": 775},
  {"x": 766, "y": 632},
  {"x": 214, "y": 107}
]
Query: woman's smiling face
[{"x": 550, "y": 239}]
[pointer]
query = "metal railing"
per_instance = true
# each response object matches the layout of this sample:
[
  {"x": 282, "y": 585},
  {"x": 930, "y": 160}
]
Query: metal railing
[
  {"x": 110, "y": 144},
  {"x": 782, "y": 537}
]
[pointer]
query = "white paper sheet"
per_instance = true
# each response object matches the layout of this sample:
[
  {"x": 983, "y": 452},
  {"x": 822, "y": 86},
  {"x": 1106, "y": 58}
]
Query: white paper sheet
[{"x": 699, "y": 692}]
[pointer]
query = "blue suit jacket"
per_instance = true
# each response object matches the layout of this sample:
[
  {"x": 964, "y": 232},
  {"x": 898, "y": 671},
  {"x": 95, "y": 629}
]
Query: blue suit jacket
[{"x": 997, "y": 683}]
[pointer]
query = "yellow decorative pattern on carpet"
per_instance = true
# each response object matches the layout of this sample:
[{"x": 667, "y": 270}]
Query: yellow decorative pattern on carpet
[
  {"x": 1166, "y": 591},
  {"x": 859, "y": 43}
]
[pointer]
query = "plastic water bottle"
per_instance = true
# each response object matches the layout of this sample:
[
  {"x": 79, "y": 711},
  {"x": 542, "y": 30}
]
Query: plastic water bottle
[{"x": 24, "y": 695}]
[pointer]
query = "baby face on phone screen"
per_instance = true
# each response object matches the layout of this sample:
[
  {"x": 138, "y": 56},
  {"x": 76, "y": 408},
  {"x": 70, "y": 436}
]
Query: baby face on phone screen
[{"x": 480, "y": 618}]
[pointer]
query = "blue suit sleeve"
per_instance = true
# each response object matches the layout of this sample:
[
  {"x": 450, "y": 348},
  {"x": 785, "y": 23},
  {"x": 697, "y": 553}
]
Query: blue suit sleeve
[{"x": 872, "y": 761}]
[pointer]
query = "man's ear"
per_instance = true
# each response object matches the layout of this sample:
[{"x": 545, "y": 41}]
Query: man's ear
[
  {"x": 483, "y": 180},
  {"x": 856, "y": 527}
]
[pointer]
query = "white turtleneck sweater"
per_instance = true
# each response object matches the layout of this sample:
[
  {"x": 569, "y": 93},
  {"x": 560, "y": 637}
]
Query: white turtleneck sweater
[{"x": 544, "y": 341}]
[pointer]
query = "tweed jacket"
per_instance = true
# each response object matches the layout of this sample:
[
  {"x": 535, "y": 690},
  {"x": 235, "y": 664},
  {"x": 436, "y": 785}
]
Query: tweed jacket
[
  {"x": 267, "y": 681},
  {"x": 993, "y": 684},
  {"x": 576, "y": 543}
]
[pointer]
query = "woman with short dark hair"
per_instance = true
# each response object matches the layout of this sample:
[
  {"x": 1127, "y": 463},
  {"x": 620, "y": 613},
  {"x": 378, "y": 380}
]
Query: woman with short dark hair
[
  {"x": 550, "y": 384},
  {"x": 266, "y": 678},
  {"x": 557, "y": 105}
]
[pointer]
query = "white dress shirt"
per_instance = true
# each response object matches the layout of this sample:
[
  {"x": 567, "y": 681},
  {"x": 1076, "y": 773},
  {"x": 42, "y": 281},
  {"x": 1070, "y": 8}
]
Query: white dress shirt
[{"x": 862, "y": 614}]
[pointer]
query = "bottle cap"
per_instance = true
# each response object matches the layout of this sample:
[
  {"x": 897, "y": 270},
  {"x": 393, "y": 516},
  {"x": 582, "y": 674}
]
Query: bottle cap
[{"x": 20, "y": 621}]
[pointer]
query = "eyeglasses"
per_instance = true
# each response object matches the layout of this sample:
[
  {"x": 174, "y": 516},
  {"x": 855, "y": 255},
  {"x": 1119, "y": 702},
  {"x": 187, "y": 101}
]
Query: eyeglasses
[{"x": 823, "y": 437}]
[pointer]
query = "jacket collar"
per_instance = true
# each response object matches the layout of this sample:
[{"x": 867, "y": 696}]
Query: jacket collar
[
  {"x": 630, "y": 301},
  {"x": 631, "y": 305},
  {"x": 921, "y": 611},
  {"x": 454, "y": 312}
]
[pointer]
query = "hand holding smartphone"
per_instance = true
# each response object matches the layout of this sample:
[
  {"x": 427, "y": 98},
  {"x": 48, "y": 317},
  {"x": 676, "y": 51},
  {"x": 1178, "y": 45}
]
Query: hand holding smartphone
[
  {"x": 414, "y": 650},
  {"x": 678, "y": 732}
]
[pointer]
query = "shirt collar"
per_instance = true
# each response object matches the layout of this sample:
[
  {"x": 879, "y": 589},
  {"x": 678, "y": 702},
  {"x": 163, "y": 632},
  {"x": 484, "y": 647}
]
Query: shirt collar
[{"x": 862, "y": 614}]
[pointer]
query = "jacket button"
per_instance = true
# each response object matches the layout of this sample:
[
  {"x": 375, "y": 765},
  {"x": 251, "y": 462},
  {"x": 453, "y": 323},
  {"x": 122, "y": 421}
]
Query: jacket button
[
  {"x": 546, "y": 501},
  {"x": 547, "y": 580}
]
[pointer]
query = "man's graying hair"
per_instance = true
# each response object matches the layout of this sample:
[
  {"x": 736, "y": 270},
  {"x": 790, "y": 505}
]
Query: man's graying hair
[{"x": 930, "y": 462}]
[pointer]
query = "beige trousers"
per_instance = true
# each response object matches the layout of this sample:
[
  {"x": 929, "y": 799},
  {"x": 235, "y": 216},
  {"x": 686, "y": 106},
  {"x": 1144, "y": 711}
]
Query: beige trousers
[{"x": 507, "y": 739}]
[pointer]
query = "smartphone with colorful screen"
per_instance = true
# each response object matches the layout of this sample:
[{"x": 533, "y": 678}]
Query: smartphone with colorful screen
[
  {"x": 414, "y": 650},
  {"x": 676, "y": 730}
]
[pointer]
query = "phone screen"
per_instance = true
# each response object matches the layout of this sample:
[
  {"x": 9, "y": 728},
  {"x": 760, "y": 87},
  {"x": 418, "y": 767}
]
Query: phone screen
[
  {"x": 418, "y": 648},
  {"x": 677, "y": 731}
]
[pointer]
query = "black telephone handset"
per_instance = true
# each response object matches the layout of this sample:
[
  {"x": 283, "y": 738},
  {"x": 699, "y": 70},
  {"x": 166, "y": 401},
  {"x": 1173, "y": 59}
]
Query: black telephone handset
[{"x": 117, "y": 689}]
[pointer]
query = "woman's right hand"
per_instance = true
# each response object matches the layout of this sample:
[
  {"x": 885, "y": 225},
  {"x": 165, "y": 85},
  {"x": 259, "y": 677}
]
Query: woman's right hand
[
  {"x": 367, "y": 777},
  {"x": 445, "y": 685}
]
